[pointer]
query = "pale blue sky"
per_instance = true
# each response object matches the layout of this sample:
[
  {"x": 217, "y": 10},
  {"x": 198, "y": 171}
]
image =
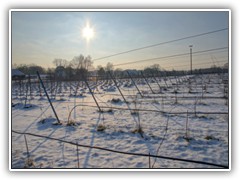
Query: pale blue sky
[{"x": 40, "y": 37}]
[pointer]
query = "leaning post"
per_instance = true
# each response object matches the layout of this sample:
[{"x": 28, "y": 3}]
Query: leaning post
[
  {"x": 134, "y": 84},
  {"x": 147, "y": 82},
  {"x": 89, "y": 88},
  {"x": 48, "y": 98},
  {"x": 115, "y": 82},
  {"x": 157, "y": 82}
]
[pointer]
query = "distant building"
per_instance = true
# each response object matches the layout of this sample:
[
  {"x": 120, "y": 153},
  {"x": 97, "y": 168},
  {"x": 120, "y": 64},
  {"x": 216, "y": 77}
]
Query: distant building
[
  {"x": 34, "y": 78},
  {"x": 92, "y": 75},
  {"x": 17, "y": 75},
  {"x": 60, "y": 72}
]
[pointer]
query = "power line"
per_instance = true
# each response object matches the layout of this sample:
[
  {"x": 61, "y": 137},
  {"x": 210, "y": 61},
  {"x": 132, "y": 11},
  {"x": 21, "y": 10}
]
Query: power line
[
  {"x": 194, "y": 64},
  {"x": 166, "y": 42},
  {"x": 171, "y": 56},
  {"x": 202, "y": 59},
  {"x": 180, "y": 63}
]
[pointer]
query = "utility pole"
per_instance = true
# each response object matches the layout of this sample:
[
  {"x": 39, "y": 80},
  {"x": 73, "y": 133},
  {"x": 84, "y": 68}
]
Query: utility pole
[{"x": 191, "y": 57}]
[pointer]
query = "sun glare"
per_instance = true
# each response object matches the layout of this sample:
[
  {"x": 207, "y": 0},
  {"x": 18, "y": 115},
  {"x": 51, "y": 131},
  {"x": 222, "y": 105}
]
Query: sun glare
[{"x": 88, "y": 32}]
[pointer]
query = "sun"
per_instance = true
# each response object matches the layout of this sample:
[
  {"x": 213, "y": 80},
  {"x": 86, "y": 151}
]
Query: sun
[{"x": 88, "y": 32}]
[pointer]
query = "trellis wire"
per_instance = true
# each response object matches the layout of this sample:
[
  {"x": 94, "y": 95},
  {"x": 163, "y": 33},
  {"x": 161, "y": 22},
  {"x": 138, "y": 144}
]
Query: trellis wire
[
  {"x": 150, "y": 110},
  {"x": 122, "y": 152}
]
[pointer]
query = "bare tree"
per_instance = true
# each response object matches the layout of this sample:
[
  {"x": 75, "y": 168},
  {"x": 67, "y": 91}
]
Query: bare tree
[
  {"x": 78, "y": 62},
  {"x": 87, "y": 62},
  {"x": 156, "y": 67},
  {"x": 60, "y": 62},
  {"x": 225, "y": 66},
  {"x": 109, "y": 67},
  {"x": 65, "y": 63},
  {"x": 101, "y": 72}
]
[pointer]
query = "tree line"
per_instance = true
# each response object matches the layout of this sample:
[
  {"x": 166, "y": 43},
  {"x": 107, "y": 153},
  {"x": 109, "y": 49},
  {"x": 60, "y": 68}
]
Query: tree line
[{"x": 81, "y": 67}]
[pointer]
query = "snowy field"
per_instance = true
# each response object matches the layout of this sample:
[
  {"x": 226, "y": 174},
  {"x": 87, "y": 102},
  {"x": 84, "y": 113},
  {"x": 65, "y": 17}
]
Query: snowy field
[{"x": 177, "y": 118}]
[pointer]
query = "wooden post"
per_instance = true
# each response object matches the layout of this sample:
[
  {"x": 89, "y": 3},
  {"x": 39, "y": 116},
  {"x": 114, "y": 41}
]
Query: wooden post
[
  {"x": 48, "y": 98},
  {"x": 186, "y": 126},
  {"x": 28, "y": 155},
  {"x": 164, "y": 78},
  {"x": 20, "y": 88},
  {"x": 149, "y": 159},
  {"x": 77, "y": 155},
  {"x": 147, "y": 82},
  {"x": 176, "y": 81},
  {"x": 114, "y": 80},
  {"x": 134, "y": 84},
  {"x": 176, "y": 101},
  {"x": 191, "y": 58},
  {"x": 162, "y": 104},
  {"x": 195, "y": 107},
  {"x": 26, "y": 96},
  {"x": 93, "y": 95},
  {"x": 157, "y": 82},
  {"x": 30, "y": 86}
]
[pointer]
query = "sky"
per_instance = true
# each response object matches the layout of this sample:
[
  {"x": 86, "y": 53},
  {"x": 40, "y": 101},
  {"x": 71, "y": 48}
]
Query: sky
[{"x": 39, "y": 37}]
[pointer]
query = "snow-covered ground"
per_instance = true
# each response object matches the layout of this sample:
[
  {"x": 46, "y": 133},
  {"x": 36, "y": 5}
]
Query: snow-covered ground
[{"x": 169, "y": 125}]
